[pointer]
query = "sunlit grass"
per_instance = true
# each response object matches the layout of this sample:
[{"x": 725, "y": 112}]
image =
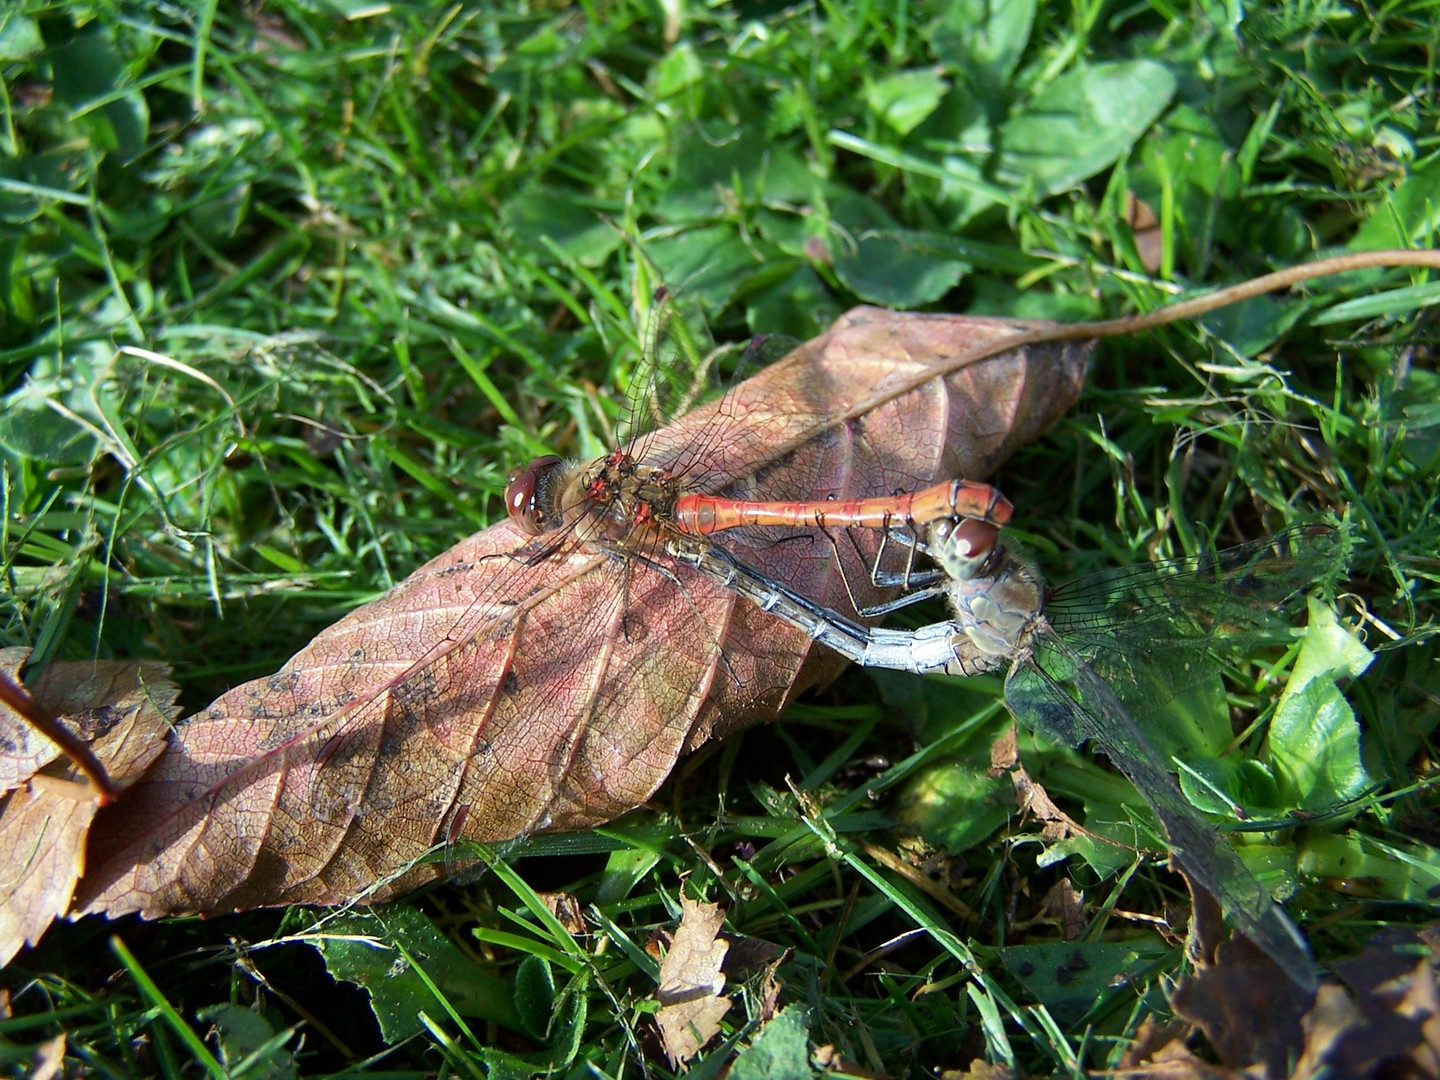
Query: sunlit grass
[{"x": 285, "y": 295}]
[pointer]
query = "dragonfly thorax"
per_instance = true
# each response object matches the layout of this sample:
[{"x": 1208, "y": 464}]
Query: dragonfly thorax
[{"x": 998, "y": 610}]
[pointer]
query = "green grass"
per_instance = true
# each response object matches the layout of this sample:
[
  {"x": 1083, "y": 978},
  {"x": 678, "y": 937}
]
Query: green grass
[{"x": 284, "y": 294}]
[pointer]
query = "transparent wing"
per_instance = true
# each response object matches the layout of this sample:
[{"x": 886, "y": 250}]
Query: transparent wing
[
  {"x": 1055, "y": 692},
  {"x": 1154, "y": 630}
]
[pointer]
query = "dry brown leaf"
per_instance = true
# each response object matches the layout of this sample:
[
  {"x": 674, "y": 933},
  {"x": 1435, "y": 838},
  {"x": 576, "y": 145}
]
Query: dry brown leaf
[
  {"x": 24, "y": 750},
  {"x": 1388, "y": 1025},
  {"x": 979, "y": 1069},
  {"x": 49, "y": 1058},
  {"x": 123, "y": 711},
  {"x": 566, "y": 909},
  {"x": 486, "y": 697},
  {"x": 1066, "y": 905},
  {"x": 691, "y": 982},
  {"x": 1247, "y": 1006},
  {"x": 1145, "y": 228},
  {"x": 1261, "y": 1025}
]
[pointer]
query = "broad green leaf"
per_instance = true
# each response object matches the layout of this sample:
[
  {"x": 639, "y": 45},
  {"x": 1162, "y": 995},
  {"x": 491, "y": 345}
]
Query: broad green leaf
[
  {"x": 19, "y": 36},
  {"x": 1071, "y": 978},
  {"x": 241, "y": 1033},
  {"x": 1408, "y": 217},
  {"x": 1083, "y": 122},
  {"x": 893, "y": 268},
  {"x": 983, "y": 40},
  {"x": 88, "y": 68},
  {"x": 780, "y": 1052},
  {"x": 715, "y": 165},
  {"x": 1314, "y": 739},
  {"x": 1406, "y": 872},
  {"x": 954, "y": 804},
  {"x": 903, "y": 100},
  {"x": 705, "y": 264},
  {"x": 571, "y": 221},
  {"x": 535, "y": 995},
  {"x": 799, "y": 305},
  {"x": 1219, "y": 785},
  {"x": 1253, "y": 325},
  {"x": 680, "y": 68},
  {"x": 371, "y": 951}
]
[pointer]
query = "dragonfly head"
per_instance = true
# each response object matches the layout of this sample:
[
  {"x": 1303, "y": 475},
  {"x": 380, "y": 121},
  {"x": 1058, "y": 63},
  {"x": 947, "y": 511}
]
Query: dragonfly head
[
  {"x": 524, "y": 494},
  {"x": 965, "y": 547}
]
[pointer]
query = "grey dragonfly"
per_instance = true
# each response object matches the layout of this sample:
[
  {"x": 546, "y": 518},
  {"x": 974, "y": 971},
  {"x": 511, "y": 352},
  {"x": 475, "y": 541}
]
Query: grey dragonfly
[{"x": 1086, "y": 658}]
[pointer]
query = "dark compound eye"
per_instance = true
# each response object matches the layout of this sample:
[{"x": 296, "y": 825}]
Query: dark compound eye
[
  {"x": 979, "y": 536},
  {"x": 963, "y": 546},
  {"x": 521, "y": 488}
]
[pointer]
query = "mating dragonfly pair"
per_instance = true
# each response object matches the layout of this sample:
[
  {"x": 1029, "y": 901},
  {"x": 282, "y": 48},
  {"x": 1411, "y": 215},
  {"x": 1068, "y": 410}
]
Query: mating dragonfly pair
[{"x": 1084, "y": 660}]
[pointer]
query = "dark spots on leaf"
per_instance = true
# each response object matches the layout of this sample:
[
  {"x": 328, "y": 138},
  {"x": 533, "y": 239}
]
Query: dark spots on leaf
[
  {"x": 511, "y": 682},
  {"x": 416, "y": 690},
  {"x": 282, "y": 682}
]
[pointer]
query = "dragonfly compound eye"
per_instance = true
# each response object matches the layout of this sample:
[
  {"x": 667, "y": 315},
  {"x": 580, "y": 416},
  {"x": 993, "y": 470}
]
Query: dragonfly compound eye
[
  {"x": 522, "y": 488},
  {"x": 963, "y": 546},
  {"x": 974, "y": 538}
]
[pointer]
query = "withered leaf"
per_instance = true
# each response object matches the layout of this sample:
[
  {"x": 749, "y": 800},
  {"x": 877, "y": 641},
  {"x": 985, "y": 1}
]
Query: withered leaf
[
  {"x": 489, "y": 695},
  {"x": 691, "y": 982},
  {"x": 123, "y": 710},
  {"x": 24, "y": 750},
  {"x": 1246, "y": 1005},
  {"x": 1389, "y": 1023}
]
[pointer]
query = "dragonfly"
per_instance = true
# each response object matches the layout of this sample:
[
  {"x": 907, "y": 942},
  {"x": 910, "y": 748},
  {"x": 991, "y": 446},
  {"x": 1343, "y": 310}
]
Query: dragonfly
[
  {"x": 643, "y": 490},
  {"x": 1086, "y": 658}
]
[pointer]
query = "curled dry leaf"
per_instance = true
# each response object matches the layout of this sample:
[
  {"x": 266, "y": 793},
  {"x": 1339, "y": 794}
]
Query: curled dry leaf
[
  {"x": 691, "y": 981},
  {"x": 24, "y": 749},
  {"x": 489, "y": 696},
  {"x": 1385, "y": 1020},
  {"x": 123, "y": 711}
]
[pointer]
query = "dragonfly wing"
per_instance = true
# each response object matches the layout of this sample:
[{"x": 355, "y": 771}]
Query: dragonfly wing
[
  {"x": 1153, "y": 631},
  {"x": 1056, "y": 692}
]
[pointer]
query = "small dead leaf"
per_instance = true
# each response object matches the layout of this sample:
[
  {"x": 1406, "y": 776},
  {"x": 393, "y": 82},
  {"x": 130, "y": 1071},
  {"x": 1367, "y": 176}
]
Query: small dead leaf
[
  {"x": 691, "y": 982},
  {"x": 566, "y": 908},
  {"x": 1145, "y": 227},
  {"x": 1032, "y": 798},
  {"x": 1247, "y": 1006},
  {"x": 49, "y": 1058},
  {"x": 123, "y": 710},
  {"x": 979, "y": 1069},
  {"x": 747, "y": 955},
  {"x": 1389, "y": 1025},
  {"x": 1004, "y": 752},
  {"x": 1151, "y": 1040},
  {"x": 1067, "y": 906}
]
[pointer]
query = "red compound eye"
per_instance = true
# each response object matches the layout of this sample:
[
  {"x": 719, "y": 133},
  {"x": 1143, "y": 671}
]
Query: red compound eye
[
  {"x": 521, "y": 488},
  {"x": 978, "y": 536},
  {"x": 963, "y": 547}
]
